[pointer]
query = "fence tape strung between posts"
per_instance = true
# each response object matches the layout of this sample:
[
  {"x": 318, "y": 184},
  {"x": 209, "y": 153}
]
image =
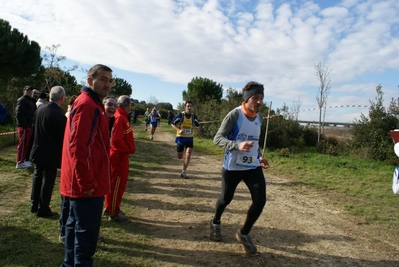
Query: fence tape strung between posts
[
  {"x": 309, "y": 109},
  {"x": 313, "y": 109},
  {"x": 272, "y": 116},
  {"x": 8, "y": 133}
]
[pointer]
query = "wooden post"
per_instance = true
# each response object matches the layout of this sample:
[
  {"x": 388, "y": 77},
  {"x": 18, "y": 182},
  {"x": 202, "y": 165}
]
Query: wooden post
[{"x": 267, "y": 127}]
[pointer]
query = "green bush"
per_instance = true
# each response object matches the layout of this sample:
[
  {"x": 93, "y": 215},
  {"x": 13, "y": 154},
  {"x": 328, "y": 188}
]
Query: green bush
[
  {"x": 283, "y": 152},
  {"x": 328, "y": 144},
  {"x": 372, "y": 133},
  {"x": 284, "y": 133}
]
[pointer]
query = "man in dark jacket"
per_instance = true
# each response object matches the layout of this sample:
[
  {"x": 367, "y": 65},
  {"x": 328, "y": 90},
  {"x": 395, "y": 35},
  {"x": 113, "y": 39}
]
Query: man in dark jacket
[
  {"x": 24, "y": 115},
  {"x": 3, "y": 113},
  {"x": 46, "y": 153}
]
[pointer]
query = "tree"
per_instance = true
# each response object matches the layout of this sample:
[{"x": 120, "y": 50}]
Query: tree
[
  {"x": 323, "y": 75},
  {"x": 371, "y": 134},
  {"x": 121, "y": 87},
  {"x": 19, "y": 57},
  {"x": 153, "y": 101},
  {"x": 20, "y": 63},
  {"x": 70, "y": 84},
  {"x": 284, "y": 111},
  {"x": 54, "y": 74},
  {"x": 234, "y": 98},
  {"x": 165, "y": 106},
  {"x": 295, "y": 108},
  {"x": 200, "y": 90}
]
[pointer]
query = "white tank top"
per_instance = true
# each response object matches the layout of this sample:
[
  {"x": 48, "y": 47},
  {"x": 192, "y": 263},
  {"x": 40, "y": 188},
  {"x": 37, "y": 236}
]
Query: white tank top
[{"x": 244, "y": 130}]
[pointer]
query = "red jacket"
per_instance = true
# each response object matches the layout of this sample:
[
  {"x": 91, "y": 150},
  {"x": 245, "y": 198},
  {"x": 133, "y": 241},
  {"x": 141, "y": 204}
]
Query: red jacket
[
  {"x": 85, "y": 155},
  {"x": 122, "y": 138}
]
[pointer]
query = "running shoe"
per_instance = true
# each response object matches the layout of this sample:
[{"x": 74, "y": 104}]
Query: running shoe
[
  {"x": 216, "y": 232},
  {"x": 119, "y": 218},
  {"x": 246, "y": 241},
  {"x": 105, "y": 212},
  {"x": 184, "y": 174},
  {"x": 22, "y": 165},
  {"x": 61, "y": 239}
]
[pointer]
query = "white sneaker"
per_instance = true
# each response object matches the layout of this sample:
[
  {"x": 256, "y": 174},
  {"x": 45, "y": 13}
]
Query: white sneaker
[
  {"x": 151, "y": 137},
  {"x": 28, "y": 162},
  {"x": 184, "y": 175},
  {"x": 22, "y": 165}
]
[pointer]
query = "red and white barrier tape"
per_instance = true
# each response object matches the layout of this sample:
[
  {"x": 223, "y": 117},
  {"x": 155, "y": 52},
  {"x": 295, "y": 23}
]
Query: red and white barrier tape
[
  {"x": 309, "y": 109},
  {"x": 342, "y": 106},
  {"x": 8, "y": 133}
]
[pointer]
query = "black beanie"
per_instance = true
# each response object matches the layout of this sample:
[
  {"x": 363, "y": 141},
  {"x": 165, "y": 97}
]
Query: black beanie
[{"x": 253, "y": 91}]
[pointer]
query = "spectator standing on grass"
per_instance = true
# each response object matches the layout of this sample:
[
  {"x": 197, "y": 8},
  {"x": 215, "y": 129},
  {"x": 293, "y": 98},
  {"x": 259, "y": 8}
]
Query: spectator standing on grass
[
  {"x": 135, "y": 115},
  {"x": 70, "y": 102},
  {"x": 130, "y": 115},
  {"x": 35, "y": 95},
  {"x": 147, "y": 118},
  {"x": 153, "y": 118},
  {"x": 239, "y": 136},
  {"x": 85, "y": 167},
  {"x": 34, "y": 98},
  {"x": 46, "y": 151},
  {"x": 42, "y": 99},
  {"x": 3, "y": 113},
  {"x": 159, "y": 118},
  {"x": 24, "y": 117},
  {"x": 170, "y": 116},
  {"x": 110, "y": 105},
  {"x": 184, "y": 123},
  {"x": 122, "y": 145}
]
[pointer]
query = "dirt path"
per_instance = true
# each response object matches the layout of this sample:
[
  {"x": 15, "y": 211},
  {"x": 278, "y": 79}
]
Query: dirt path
[{"x": 294, "y": 229}]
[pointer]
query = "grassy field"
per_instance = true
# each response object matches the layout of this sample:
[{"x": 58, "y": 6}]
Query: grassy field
[
  {"x": 359, "y": 186},
  {"x": 7, "y": 139}
]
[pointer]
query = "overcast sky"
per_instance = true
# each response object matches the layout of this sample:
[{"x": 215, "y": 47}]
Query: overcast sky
[{"x": 158, "y": 46}]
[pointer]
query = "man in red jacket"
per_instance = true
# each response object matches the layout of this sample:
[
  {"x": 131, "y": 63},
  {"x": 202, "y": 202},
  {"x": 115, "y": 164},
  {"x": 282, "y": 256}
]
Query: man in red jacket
[
  {"x": 85, "y": 167},
  {"x": 122, "y": 145}
]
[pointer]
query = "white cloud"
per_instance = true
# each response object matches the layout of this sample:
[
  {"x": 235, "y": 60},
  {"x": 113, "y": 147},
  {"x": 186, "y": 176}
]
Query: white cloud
[{"x": 230, "y": 42}]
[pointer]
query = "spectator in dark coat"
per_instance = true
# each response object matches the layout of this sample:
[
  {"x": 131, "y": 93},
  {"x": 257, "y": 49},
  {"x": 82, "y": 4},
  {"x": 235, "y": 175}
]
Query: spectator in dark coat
[
  {"x": 24, "y": 115},
  {"x": 34, "y": 99},
  {"x": 170, "y": 117},
  {"x": 47, "y": 150},
  {"x": 3, "y": 113}
]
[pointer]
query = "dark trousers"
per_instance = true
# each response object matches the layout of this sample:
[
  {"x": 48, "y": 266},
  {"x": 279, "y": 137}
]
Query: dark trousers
[
  {"x": 64, "y": 211},
  {"x": 255, "y": 181},
  {"x": 27, "y": 157},
  {"x": 42, "y": 188},
  {"x": 81, "y": 231}
]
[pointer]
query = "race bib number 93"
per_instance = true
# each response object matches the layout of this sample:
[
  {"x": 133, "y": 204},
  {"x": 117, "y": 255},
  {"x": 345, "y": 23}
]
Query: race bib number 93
[{"x": 246, "y": 160}]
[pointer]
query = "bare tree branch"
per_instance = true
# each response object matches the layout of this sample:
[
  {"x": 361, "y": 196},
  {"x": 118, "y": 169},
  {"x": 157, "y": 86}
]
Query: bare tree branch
[{"x": 322, "y": 73}]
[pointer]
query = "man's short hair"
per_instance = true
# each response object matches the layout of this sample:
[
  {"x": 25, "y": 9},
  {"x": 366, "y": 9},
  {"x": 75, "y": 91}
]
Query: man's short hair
[
  {"x": 189, "y": 102},
  {"x": 105, "y": 99},
  {"x": 56, "y": 93},
  {"x": 124, "y": 101},
  {"x": 93, "y": 70},
  {"x": 72, "y": 99},
  {"x": 42, "y": 95}
]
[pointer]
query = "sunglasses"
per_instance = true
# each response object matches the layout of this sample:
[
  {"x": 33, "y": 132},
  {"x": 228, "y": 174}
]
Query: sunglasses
[{"x": 110, "y": 104}]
